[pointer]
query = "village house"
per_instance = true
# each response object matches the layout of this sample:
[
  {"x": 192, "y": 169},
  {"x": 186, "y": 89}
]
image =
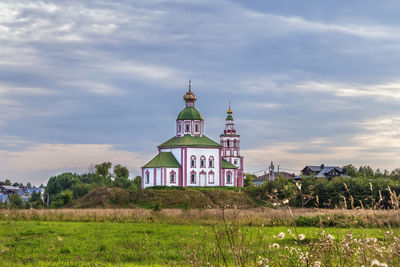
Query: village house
[
  {"x": 323, "y": 171},
  {"x": 24, "y": 192}
]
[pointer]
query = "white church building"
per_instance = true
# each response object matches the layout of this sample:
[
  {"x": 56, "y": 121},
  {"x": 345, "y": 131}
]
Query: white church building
[{"x": 192, "y": 159}]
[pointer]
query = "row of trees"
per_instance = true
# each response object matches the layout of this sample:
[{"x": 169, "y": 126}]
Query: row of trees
[
  {"x": 368, "y": 172},
  {"x": 339, "y": 192},
  {"x": 66, "y": 187},
  {"x": 28, "y": 185}
]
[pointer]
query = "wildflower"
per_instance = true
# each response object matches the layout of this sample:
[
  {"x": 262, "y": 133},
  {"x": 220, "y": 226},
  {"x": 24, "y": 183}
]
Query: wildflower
[
  {"x": 302, "y": 236},
  {"x": 330, "y": 237},
  {"x": 289, "y": 231},
  {"x": 317, "y": 264},
  {"x": 286, "y": 201},
  {"x": 281, "y": 235},
  {"x": 375, "y": 262},
  {"x": 275, "y": 245},
  {"x": 298, "y": 185}
]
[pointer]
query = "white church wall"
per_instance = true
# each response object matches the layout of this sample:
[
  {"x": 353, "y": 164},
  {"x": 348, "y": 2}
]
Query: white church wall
[
  {"x": 233, "y": 174},
  {"x": 168, "y": 172},
  {"x": 203, "y": 180}
]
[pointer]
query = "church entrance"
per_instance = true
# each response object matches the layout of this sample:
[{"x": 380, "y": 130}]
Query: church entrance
[{"x": 202, "y": 181}]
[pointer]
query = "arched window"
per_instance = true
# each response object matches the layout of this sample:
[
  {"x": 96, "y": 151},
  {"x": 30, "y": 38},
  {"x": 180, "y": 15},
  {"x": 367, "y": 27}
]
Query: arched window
[
  {"x": 187, "y": 126},
  {"x": 193, "y": 178},
  {"x": 211, "y": 162},
  {"x": 202, "y": 162},
  {"x": 211, "y": 177},
  {"x": 179, "y": 128},
  {"x": 172, "y": 177},
  {"x": 196, "y": 127},
  {"x": 228, "y": 178},
  {"x": 192, "y": 162},
  {"x": 227, "y": 143},
  {"x": 147, "y": 177}
]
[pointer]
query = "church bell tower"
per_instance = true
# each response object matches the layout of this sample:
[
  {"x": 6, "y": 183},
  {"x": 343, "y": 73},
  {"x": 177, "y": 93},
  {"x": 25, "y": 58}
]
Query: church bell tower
[{"x": 230, "y": 142}]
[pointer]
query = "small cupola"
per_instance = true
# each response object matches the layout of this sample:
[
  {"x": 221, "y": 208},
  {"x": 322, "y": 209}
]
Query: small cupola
[{"x": 189, "y": 97}]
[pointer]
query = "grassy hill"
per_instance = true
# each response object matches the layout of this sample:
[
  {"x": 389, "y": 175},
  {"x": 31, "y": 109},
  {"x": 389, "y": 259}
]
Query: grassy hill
[{"x": 164, "y": 197}]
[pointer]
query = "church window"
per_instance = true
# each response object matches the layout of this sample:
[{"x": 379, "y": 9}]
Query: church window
[
  {"x": 172, "y": 177},
  {"x": 202, "y": 162},
  {"x": 192, "y": 162},
  {"x": 179, "y": 128},
  {"x": 211, "y": 177},
  {"x": 211, "y": 162},
  {"x": 197, "y": 127},
  {"x": 235, "y": 161},
  {"x": 193, "y": 178},
  {"x": 228, "y": 179},
  {"x": 147, "y": 177},
  {"x": 187, "y": 127},
  {"x": 228, "y": 143}
]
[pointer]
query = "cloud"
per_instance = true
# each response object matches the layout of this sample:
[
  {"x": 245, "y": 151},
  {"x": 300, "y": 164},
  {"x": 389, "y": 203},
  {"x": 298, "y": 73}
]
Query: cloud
[
  {"x": 381, "y": 91},
  {"x": 38, "y": 162},
  {"x": 301, "y": 80}
]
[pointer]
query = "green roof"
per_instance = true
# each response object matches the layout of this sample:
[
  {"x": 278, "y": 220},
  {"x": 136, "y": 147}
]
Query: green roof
[
  {"x": 227, "y": 165},
  {"x": 190, "y": 141},
  {"x": 190, "y": 113},
  {"x": 229, "y": 117},
  {"x": 163, "y": 159}
]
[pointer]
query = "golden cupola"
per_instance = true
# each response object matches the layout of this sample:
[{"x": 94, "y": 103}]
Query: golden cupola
[{"x": 189, "y": 96}]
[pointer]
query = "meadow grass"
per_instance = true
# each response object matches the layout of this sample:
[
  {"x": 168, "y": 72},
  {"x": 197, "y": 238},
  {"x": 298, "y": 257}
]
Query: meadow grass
[
  {"x": 252, "y": 217},
  {"x": 55, "y": 243}
]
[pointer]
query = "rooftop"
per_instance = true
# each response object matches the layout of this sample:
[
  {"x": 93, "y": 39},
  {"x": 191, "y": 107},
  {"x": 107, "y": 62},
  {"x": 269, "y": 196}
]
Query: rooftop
[{"x": 190, "y": 141}]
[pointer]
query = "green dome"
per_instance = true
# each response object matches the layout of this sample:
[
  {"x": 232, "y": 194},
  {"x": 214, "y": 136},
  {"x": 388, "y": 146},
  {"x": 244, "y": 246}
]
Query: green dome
[{"x": 190, "y": 113}]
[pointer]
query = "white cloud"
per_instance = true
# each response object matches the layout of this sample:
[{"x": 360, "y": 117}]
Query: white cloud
[
  {"x": 381, "y": 91},
  {"x": 38, "y": 162}
]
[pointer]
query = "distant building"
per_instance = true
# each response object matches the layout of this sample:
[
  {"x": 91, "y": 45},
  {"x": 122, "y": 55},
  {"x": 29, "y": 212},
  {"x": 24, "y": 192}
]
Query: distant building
[
  {"x": 323, "y": 171},
  {"x": 25, "y": 193},
  {"x": 259, "y": 180}
]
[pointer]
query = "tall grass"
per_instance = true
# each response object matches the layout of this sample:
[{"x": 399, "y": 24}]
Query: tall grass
[{"x": 256, "y": 216}]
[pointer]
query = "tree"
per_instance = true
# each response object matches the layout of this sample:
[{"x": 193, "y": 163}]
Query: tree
[
  {"x": 137, "y": 182},
  {"x": 351, "y": 170},
  {"x": 15, "y": 201},
  {"x": 121, "y": 176},
  {"x": 29, "y": 185},
  {"x": 35, "y": 197},
  {"x": 103, "y": 173},
  {"x": 395, "y": 174},
  {"x": 248, "y": 178},
  {"x": 7, "y": 182},
  {"x": 35, "y": 201}
]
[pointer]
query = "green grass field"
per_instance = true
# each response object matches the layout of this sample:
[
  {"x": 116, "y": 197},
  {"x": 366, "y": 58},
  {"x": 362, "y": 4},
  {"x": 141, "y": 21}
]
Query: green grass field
[{"x": 43, "y": 243}]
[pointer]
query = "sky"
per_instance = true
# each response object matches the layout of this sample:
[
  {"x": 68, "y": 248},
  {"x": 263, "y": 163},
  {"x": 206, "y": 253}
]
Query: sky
[{"x": 310, "y": 82}]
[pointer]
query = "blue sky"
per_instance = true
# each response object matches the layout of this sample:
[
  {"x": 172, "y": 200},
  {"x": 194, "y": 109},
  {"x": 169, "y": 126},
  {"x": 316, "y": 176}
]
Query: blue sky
[{"x": 310, "y": 82}]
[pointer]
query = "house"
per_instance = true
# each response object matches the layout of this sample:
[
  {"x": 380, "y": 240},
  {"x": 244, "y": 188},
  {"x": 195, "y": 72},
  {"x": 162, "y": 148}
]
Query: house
[
  {"x": 26, "y": 193},
  {"x": 3, "y": 198},
  {"x": 259, "y": 180},
  {"x": 190, "y": 158},
  {"x": 323, "y": 171},
  {"x": 8, "y": 190}
]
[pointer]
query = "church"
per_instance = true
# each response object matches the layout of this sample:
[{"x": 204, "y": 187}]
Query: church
[{"x": 192, "y": 159}]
